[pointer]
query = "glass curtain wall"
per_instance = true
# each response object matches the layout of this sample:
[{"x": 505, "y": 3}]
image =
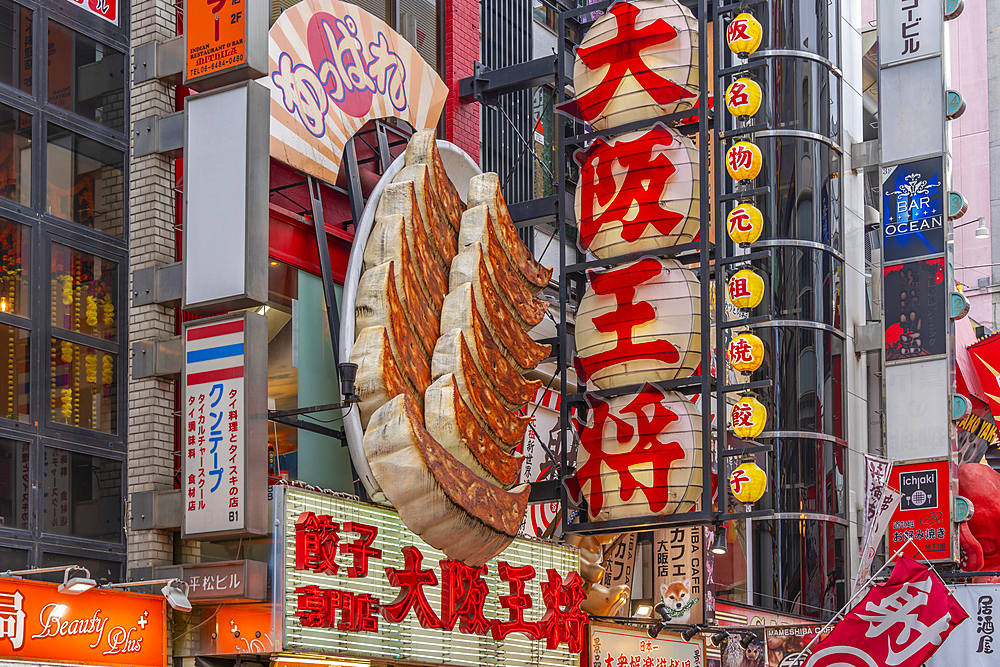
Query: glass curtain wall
[
  {"x": 63, "y": 267},
  {"x": 796, "y": 560}
]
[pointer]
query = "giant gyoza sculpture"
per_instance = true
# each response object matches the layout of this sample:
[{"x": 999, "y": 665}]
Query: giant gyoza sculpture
[{"x": 443, "y": 309}]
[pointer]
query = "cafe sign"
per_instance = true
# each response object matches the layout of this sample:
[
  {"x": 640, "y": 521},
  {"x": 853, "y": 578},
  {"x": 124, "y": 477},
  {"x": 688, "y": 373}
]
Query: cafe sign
[
  {"x": 357, "y": 582},
  {"x": 37, "y": 623}
]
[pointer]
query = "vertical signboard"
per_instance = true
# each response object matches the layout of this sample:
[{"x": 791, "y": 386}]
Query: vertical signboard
[
  {"x": 226, "y": 169},
  {"x": 924, "y": 511},
  {"x": 224, "y": 443},
  {"x": 225, "y": 41},
  {"x": 679, "y": 573},
  {"x": 916, "y": 322},
  {"x": 913, "y": 209},
  {"x": 620, "y": 563},
  {"x": 909, "y": 29}
]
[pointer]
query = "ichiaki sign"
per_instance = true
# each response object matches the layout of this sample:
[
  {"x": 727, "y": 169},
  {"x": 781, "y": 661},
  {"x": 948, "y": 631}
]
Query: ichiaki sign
[
  {"x": 357, "y": 582},
  {"x": 924, "y": 511}
]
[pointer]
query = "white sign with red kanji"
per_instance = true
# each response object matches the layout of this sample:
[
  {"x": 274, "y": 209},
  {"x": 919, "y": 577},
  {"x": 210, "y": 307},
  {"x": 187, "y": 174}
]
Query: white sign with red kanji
[{"x": 217, "y": 439}]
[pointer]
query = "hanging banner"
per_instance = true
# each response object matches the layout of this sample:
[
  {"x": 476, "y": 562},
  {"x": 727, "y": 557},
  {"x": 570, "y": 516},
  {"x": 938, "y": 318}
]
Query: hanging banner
[
  {"x": 619, "y": 565},
  {"x": 900, "y": 623},
  {"x": 224, "y": 445},
  {"x": 543, "y": 428},
  {"x": 679, "y": 573},
  {"x": 915, "y": 320},
  {"x": 976, "y": 641},
  {"x": 888, "y": 502},
  {"x": 333, "y": 67},
  {"x": 876, "y": 477},
  {"x": 39, "y": 624}
]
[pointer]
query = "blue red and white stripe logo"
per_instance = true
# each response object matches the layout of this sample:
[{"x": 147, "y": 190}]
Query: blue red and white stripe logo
[{"x": 214, "y": 352}]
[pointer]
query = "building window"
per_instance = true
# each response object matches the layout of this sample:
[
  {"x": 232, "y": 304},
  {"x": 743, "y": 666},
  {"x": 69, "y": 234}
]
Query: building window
[
  {"x": 15, "y": 46},
  {"x": 15, "y": 484},
  {"x": 15, "y": 155},
  {"x": 81, "y": 495},
  {"x": 14, "y": 268},
  {"x": 86, "y": 77},
  {"x": 301, "y": 373},
  {"x": 84, "y": 293},
  {"x": 85, "y": 181},
  {"x": 84, "y": 387}
]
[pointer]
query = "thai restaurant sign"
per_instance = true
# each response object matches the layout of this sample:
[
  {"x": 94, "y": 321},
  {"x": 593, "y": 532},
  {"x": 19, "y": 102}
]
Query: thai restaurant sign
[
  {"x": 224, "y": 442},
  {"x": 332, "y": 68},
  {"x": 37, "y": 623},
  {"x": 355, "y": 582}
]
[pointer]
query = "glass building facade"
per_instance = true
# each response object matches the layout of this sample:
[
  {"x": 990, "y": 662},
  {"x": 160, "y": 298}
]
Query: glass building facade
[
  {"x": 795, "y": 561},
  {"x": 63, "y": 286}
]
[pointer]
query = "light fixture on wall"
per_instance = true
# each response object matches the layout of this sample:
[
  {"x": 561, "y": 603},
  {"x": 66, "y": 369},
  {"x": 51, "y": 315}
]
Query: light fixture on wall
[
  {"x": 174, "y": 590},
  {"x": 982, "y": 231},
  {"x": 75, "y": 585},
  {"x": 69, "y": 586},
  {"x": 720, "y": 545},
  {"x": 690, "y": 633}
]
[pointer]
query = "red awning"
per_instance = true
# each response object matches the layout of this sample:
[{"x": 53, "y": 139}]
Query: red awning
[
  {"x": 986, "y": 361},
  {"x": 969, "y": 383}
]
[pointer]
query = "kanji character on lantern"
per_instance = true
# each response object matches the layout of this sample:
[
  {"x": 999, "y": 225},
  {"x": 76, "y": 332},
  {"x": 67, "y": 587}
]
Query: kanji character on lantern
[
  {"x": 743, "y": 161},
  {"x": 743, "y": 34},
  {"x": 748, "y": 417},
  {"x": 746, "y": 289},
  {"x": 638, "y": 192},
  {"x": 748, "y": 482},
  {"x": 639, "y": 322},
  {"x": 746, "y": 352},
  {"x": 649, "y": 443},
  {"x": 745, "y": 224},
  {"x": 743, "y": 97},
  {"x": 637, "y": 61}
]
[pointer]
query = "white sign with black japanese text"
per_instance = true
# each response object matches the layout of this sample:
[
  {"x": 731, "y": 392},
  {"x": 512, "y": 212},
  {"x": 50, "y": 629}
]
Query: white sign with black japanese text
[{"x": 909, "y": 29}]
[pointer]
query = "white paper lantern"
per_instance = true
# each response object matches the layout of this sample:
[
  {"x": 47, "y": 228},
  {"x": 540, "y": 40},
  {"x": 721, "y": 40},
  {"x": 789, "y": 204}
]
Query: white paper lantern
[
  {"x": 637, "y": 61},
  {"x": 640, "y": 322},
  {"x": 638, "y": 192},
  {"x": 640, "y": 454}
]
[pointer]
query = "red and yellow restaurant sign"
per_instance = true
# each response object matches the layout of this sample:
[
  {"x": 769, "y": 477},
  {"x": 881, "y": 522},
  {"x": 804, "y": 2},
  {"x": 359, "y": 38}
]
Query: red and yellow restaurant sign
[{"x": 37, "y": 623}]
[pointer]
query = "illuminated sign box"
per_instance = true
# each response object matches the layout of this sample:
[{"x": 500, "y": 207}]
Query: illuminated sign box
[
  {"x": 37, "y": 623},
  {"x": 619, "y": 644},
  {"x": 406, "y": 640}
]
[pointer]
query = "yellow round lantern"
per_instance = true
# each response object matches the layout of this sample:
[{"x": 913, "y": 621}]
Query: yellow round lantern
[
  {"x": 745, "y": 288},
  {"x": 743, "y": 34},
  {"x": 743, "y": 161},
  {"x": 745, "y": 224},
  {"x": 748, "y": 482},
  {"x": 748, "y": 417},
  {"x": 746, "y": 352},
  {"x": 743, "y": 97}
]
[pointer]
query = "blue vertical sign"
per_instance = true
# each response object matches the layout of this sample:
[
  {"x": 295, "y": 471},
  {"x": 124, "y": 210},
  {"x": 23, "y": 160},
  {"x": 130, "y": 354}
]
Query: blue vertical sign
[{"x": 913, "y": 210}]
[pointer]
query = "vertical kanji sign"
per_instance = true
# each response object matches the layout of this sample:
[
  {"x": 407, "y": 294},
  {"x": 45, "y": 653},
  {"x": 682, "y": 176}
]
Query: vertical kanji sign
[
  {"x": 679, "y": 573},
  {"x": 224, "y": 434}
]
